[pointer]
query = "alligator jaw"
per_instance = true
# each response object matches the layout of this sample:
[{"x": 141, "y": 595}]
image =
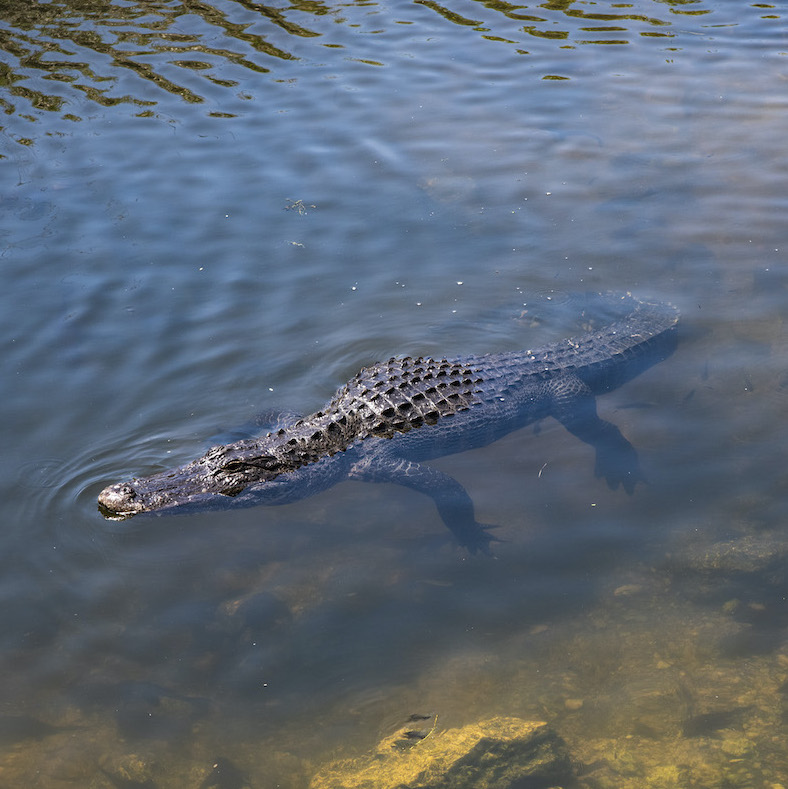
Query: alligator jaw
[{"x": 168, "y": 490}]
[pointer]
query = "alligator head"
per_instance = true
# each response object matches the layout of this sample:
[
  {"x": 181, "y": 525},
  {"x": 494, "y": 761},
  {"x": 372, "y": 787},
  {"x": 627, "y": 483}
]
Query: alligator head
[{"x": 223, "y": 471}]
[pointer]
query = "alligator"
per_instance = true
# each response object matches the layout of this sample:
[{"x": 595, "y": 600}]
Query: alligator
[{"x": 393, "y": 415}]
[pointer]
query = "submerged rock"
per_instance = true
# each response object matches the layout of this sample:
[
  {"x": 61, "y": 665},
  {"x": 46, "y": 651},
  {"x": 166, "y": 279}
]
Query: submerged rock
[{"x": 498, "y": 753}]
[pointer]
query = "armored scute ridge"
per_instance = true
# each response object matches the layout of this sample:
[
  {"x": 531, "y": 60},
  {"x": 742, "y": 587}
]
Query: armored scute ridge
[
  {"x": 402, "y": 394},
  {"x": 394, "y": 414},
  {"x": 392, "y": 397}
]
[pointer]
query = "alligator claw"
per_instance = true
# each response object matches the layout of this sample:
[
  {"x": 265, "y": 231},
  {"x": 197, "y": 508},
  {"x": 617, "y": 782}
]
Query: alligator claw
[
  {"x": 619, "y": 466},
  {"x": 479, "y": 541}
]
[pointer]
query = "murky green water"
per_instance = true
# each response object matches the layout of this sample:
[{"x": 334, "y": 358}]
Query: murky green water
[{"x": 216, "y": 210}]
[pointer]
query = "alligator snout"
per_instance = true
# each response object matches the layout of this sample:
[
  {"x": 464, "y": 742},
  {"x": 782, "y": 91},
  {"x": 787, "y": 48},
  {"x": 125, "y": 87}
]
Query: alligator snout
[{"x": 118, "y": 502}]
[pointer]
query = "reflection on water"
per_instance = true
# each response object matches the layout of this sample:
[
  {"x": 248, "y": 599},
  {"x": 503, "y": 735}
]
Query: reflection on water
[
  {"x": 100, "y": 51},
  {"x": 83, "y": 45}
]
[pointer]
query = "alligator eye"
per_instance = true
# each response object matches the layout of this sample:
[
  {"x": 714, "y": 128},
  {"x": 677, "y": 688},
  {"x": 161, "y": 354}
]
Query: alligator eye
[
  {"x": 128, "y": 492},
  {"x": 232, "y": 466}
]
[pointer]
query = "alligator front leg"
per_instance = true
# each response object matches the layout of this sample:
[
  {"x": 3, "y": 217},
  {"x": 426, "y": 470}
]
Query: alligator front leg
[
  {"x": 452, "y": 500},
  {"x": 574, "y": 406}
]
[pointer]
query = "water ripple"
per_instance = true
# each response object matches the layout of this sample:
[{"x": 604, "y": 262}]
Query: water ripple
[{"x": 58, "y": 55}]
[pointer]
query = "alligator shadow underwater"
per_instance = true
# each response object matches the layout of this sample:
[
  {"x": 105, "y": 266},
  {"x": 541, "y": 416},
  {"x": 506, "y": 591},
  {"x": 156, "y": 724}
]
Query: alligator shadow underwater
[{"x": 393, "y": 415}]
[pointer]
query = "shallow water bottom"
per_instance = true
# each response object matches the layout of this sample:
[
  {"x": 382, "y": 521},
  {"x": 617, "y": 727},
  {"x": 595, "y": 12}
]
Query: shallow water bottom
[{"x": 660, "y": 673}]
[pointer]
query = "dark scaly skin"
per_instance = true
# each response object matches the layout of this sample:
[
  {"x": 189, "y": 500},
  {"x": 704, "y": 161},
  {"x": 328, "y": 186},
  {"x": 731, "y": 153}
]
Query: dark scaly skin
[{"x": 394, "y": 414}]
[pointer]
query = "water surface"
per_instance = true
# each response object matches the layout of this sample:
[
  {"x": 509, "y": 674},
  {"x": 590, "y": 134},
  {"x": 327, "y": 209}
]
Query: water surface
[{"x": 213, "y": 211}]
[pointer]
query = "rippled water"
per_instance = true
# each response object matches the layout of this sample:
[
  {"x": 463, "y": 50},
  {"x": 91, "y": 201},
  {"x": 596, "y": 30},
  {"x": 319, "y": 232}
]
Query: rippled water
[{"x": 215, "y": 211}]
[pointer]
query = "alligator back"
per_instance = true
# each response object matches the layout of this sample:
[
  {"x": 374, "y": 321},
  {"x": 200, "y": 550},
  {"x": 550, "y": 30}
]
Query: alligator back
[{"x": 472, "y": 401}]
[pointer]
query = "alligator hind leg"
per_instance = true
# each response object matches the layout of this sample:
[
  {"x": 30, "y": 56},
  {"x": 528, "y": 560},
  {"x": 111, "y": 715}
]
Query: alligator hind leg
[
  {"x": 452, "y": 500},
  {"x": 574, "y": 406}
]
